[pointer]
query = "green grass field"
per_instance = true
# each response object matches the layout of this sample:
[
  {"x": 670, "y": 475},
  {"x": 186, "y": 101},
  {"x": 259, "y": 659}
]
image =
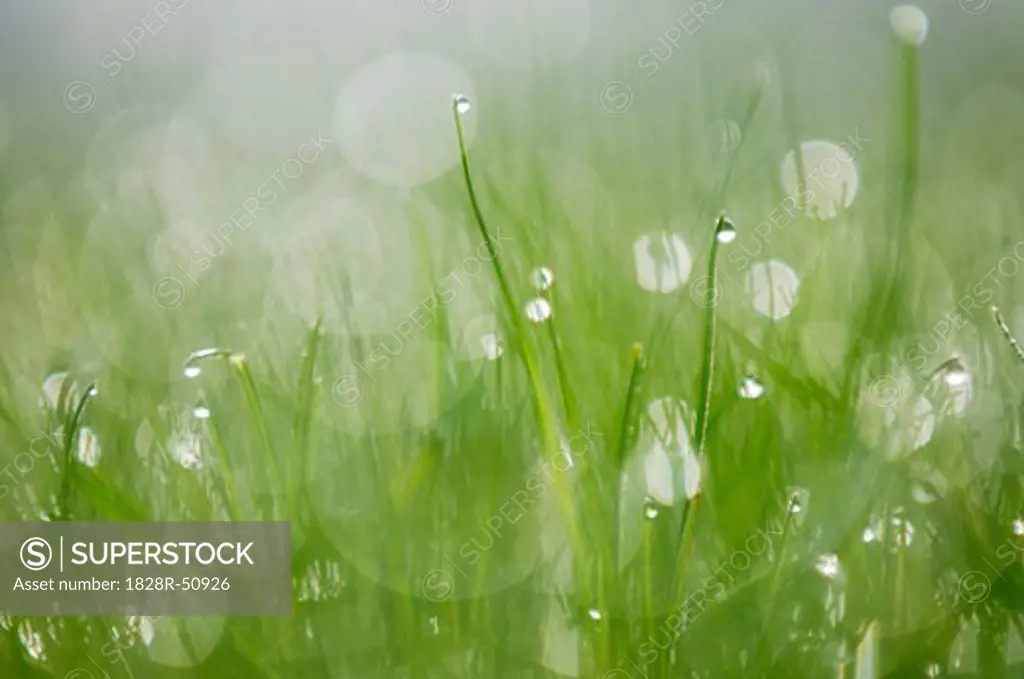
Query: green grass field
[{"x": 690, "y": 374}]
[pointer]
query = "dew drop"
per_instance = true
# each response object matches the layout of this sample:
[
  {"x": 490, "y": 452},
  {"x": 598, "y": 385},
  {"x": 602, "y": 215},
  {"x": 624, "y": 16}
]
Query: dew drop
[
  {"x": 192, "y": 368},
  {"x": 1018, "y": 526},
  {"x": 650, "y": 510},
  {"x": 31, "y": 640},
  {"x": 201, "y": 412},
  {"x": 751, "y": 388},
  {"x": 795, "y": 505},
  {"x": 872, "y": 532},
  {"x": 594, "y": 614},
  {"x": 798, "y": 499},
  {"x": 542, "y": 278},
  {"x": 902, "y": 529},
  {"x": 435, "y": 627},
  {"x": 910, "y": 24},
  {"x": 462, "y": 104},
  {"x": 828, "y": 565},
  {"x": 538, "y": 310},
  {"x": 954, "y": 373},
  {"x": 726, "y": 232}
]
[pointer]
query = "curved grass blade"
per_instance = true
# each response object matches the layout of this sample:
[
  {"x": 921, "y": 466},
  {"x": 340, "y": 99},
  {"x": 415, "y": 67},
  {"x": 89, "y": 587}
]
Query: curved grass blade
[
  {"x": 304, "y": 401},
  {"x": 629, "y": 426},
  {"x": 700, "y": 427},
  {"x": 241, "y": 369},
  {"x": 252, "y": 399},
  {"x": 551, "y": 445},
  {"x": 71, "y": 427}
]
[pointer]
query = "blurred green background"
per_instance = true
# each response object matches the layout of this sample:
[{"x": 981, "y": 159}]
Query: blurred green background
[{"x": 491, "y": 448}]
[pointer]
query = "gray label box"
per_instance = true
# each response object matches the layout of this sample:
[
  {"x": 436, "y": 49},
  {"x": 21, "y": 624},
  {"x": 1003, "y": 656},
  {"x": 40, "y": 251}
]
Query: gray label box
[{"x": 152, "y": 569}]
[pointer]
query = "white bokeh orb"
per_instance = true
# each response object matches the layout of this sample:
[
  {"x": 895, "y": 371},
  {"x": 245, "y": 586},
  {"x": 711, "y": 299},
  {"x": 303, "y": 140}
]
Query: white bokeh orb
[
  {"x": 830, "y": 178},
  {"x": 773, "y": 287},
  {"x": 268, "y": 103},
  {"x": 663, "y": 263},
  {"x": 393, "y": 120}
]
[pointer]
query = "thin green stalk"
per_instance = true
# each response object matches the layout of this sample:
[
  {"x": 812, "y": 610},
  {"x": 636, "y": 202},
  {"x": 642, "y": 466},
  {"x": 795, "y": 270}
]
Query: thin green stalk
[
  {"x": 237, "y": 362},
  {"x": 748, "y": 120},
  {"x": 224, "y": 481},
  {"x": 71, "y": 427},
  {"x": 551, "y": 444},
  {"x": 903, "y": 184},
  {"x": 301, "y": 426},
  {"x": 252, "y": 399},
  {"x": 628, "y": 427},
  {"x": 648, "y": 584},
  {"x": 708, "y": 352},
  {"x": 565, "y": 387},
  {"x": 761, "y": 656},
  {"x": 703, "y": 411}
]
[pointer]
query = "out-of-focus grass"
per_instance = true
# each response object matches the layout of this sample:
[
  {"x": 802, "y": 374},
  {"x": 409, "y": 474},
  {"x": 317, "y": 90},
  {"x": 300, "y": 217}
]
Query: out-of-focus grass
[{"x": 440, "y": 529}]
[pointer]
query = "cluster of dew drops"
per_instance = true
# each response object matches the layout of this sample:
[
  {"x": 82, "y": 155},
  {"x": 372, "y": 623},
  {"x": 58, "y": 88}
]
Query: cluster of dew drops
[{"x": 538, "y": 309}]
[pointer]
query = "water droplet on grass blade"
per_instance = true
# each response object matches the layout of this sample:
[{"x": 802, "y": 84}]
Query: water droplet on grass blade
[
  {"x": 828, "y": 565},
  {"x": 462, "y": 104},
  {"x": 201, "y": 411},
  {"x": 538, "y": 310},
  {"x": 798, "y": 498},
  {"x": 873, "y": 531},
  {"x": 910, "y": 24},
  {"x": 751, "y": 388},
  {"x": 650, "y": 509},
  {"x": 192, "y": 367},
  {"x": 954, "y": 373},
  {"x": 594, "y": 614},
  {"x": 542, "y": 278},
  {"x": 726, "y": 232},
  {"x": 1018, "y": 526}
]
